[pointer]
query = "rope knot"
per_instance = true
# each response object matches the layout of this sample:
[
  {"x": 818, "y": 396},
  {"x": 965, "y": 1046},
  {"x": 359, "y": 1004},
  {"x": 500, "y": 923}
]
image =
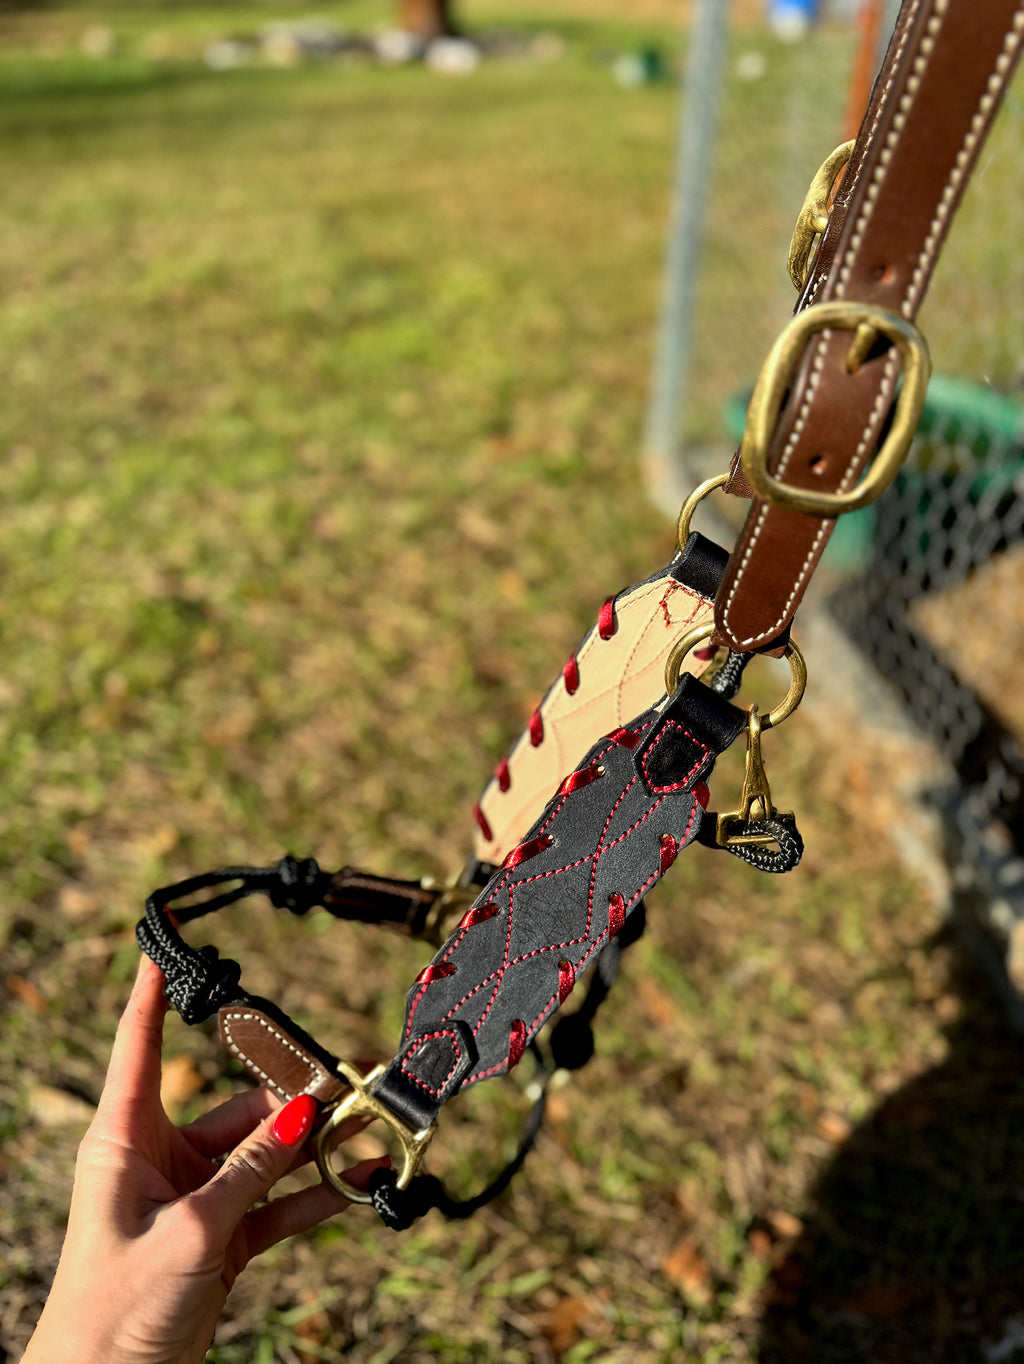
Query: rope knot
[{"x": 300, "y": 885}]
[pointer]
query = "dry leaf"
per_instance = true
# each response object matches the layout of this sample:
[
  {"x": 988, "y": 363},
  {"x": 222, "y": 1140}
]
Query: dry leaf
[
  {"x": 77, "y": 903},
  {"x": 659, "y": 1006},
  {"x": 27, "y": 992},
  {"x": 686, "y": 1269},
  {"x": 57, "y": 1108},
  {"x": 785, "y": 1226},
  {"x": 833, "y": 1127},
  {"x": 883, "y": 1301},
  {"x": 179, "y": 1082},
  {"x": 562, "y": 1324}
]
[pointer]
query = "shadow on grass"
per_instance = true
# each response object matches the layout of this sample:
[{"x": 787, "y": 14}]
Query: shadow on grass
[{"x": 914, "y": 1250}]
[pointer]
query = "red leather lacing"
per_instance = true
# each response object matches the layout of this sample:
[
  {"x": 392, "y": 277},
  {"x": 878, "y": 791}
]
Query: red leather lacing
[
  {"x": 571, "y": 673},
  {"x": 478, "y": 914},
  {"x": 584, "y": 777},
  {"x": 436, "y": 972},
  {"x": 527, "y": 850}
]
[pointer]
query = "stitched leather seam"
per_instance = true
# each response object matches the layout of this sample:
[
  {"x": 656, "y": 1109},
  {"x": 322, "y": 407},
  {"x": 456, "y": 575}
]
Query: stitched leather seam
[
  {"x": 501, "y": 1065},
  {"x": 678, "y": 785},
  {"x": 317, "y": 1071},
  {"x": 597, "y": 854},
  {"x": 430, "y": 1037},
  {"x": 996, "y": 82},
  {"x": 878, "y": 176}
]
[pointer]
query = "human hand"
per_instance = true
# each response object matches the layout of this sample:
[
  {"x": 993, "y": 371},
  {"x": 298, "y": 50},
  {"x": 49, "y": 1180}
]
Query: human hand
[{"x": 158, "y": 1232}]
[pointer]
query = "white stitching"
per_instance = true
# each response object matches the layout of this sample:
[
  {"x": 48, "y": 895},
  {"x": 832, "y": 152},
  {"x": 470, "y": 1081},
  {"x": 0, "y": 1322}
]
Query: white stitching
[
  {"x": 818, "y": 364},
  {"x": 318, "y": 1071},
  {"x": 978, "y": 124},
  {"x": 942, "y": 212}
]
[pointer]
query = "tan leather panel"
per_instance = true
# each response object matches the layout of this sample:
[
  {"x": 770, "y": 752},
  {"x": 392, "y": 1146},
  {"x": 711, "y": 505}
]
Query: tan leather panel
[
  {"x": 619, "y": 678},
  {"x": 274, "y": 1057}
]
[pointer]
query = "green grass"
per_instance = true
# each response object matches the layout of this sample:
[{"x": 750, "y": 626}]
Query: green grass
[{"x": 318, "y": 451}]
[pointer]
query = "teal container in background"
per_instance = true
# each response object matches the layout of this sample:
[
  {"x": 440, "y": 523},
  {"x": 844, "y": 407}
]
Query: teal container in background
[{"x": 958, "y": 415}]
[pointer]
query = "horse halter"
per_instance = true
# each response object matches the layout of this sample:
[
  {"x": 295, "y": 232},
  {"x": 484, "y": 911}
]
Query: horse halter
[{"x": 609, "y": 783}]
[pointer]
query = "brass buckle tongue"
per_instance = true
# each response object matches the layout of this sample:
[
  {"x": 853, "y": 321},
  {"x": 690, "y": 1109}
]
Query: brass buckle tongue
[
  {"x": 756, "y": 805},
  {"x": 361, "y": 1102}
]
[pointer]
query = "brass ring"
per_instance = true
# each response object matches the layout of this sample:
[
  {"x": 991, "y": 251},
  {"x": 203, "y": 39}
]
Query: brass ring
[
  {"x": 361, "y": 1100},
  {"x": 682, "y": 646},
  {"x": 793, "y": 656},
  {"x": 776, "y": 377},
  {"x": 690, "y": 506}
]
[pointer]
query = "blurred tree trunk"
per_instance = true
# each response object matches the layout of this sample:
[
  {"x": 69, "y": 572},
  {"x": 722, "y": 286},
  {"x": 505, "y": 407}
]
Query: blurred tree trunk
[{"x": 428, "y": 19}]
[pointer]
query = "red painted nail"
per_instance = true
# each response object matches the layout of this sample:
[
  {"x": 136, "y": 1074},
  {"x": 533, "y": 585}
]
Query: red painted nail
[{"x": 295, "y": 1121}]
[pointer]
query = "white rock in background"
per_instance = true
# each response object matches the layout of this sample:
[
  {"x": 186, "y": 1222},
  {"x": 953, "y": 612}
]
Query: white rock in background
[
  {"x": 98, "y": 41},
  {"x": 396, "y": 47},
  {"x": 226, "y": 54},
  {"x": 453, "y": 56},
  {"x": 751, "y": 66},
  {"x": 287, "y": 43}
]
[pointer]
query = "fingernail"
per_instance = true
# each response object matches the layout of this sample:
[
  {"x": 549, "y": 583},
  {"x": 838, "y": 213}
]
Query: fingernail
[{"x": 294, "y": 1122}]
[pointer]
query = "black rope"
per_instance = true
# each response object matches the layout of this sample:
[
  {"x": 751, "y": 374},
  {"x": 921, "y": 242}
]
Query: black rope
[
  {"x": 399, "y": 1208},
  {"x": 198, "y": 980},
  {"x": 729, "y": 677},
  {"x": 781, "y": 859}
]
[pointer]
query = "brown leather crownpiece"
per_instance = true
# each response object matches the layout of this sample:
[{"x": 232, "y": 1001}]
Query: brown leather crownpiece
[
  {"x": 274, "y": 1056},
  {"x": 944, "y": 75}
]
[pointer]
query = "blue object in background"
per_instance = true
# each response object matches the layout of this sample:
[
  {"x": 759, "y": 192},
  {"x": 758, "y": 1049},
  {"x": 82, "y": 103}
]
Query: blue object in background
[{"x": 791, "y": 19}]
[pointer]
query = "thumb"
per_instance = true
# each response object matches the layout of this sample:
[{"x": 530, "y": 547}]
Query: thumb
[{"x": 256, "y": 1164}]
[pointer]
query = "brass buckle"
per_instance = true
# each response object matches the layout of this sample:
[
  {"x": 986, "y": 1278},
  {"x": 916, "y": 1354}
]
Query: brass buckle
[
  {"x": 775, "y": 378},
  {"x": 756, "y": 806},
  {"x": 793, "y": 656},
  {"x": 360, "y": 1101},
  {"x": 812, "y": 219}
]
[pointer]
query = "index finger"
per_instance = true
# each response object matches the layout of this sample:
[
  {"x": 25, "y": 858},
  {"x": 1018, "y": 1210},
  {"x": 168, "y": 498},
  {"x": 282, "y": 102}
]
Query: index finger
[{"x": 133, "y": 1075}]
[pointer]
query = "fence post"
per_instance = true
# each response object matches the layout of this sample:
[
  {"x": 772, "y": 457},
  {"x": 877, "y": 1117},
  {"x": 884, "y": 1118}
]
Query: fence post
[{"x": 663, "y": 469}]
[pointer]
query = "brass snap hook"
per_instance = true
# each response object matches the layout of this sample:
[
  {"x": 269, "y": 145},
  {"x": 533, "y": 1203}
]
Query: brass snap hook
[{"x": 360, "y": 1101}]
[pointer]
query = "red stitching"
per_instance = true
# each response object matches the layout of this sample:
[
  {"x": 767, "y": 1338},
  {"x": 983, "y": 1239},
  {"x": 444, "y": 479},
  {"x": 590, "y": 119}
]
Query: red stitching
[
  {"x": 664, "y": 610},
  {"x": 678, "y": 785},
  {"x": 429, "y": 1037},
  {"x": 493, "y": 1070}
]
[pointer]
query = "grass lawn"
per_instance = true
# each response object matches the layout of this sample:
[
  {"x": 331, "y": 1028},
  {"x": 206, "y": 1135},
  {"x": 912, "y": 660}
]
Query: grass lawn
[{"x": 323, "y": 391}]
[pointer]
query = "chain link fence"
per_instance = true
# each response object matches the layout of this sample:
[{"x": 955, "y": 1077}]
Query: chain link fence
[{"x": 937, "y": 601}]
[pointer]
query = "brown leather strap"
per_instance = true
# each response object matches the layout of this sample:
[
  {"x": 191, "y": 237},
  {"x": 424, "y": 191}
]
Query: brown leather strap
[
  {"x": 369, "y": 899},
  {"x": 275, "y": 1055},
  {"x": 946, "y": 70}
]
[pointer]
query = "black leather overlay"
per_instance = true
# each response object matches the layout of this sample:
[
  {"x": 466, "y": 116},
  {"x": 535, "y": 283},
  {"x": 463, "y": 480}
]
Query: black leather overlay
[
  {"x": 700, "y": 566},
  {"x": 695, "y": 726},
  {"x": 430, "y": 1071},
  {"x": 562, "y": 897}
]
